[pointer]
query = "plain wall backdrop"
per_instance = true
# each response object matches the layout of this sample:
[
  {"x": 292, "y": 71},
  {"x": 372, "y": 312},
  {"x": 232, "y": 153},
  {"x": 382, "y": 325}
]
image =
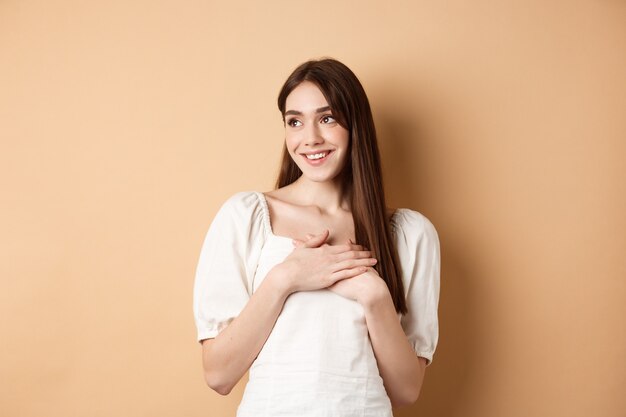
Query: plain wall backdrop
[{"x": 125, "y": 124}]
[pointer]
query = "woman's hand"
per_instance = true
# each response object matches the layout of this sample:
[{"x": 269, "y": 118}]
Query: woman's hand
[
  {"x": 363, "y": 288},
  {"x": 314, "y": 264}
]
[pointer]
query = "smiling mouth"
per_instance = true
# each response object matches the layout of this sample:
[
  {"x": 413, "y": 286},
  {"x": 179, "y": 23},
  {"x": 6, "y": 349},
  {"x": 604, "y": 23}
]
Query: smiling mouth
[{"x": 316, "y": 156}]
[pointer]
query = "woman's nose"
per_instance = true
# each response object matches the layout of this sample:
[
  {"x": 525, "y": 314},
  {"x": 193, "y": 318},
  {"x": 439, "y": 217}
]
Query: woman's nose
[{"x": 313, "y": 136}]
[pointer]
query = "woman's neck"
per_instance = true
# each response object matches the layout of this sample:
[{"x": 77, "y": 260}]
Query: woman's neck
[{"x": 327, "y": 196}]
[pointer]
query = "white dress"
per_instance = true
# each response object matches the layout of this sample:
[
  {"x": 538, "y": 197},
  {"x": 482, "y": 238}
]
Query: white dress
[{"x": 318, "y": 359}]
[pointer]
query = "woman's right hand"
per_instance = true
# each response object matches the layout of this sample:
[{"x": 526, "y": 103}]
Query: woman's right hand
[{"x": 314, "y": 264}]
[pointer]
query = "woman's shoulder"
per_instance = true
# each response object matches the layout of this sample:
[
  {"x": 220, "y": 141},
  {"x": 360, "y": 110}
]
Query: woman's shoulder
[
  {"x": 243, "y": 205},
  {"x": 408, "y": 221},
  {"x": 279, "y": 196},
  {"x": 243, "y": 211},
  {"x": 242, "y": 200}
]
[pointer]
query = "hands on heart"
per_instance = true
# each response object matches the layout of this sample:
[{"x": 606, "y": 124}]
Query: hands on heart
[{"x": 356, "y": 288}]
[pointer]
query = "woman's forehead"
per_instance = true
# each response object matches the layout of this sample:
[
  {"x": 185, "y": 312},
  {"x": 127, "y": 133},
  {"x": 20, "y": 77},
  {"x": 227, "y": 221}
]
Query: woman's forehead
[{"x": 305, "y": 98}]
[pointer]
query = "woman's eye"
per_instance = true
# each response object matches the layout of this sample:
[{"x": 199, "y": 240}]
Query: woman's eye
[
  {"x": 328, "y": 119},
  {"x": 293, "y": 122}
]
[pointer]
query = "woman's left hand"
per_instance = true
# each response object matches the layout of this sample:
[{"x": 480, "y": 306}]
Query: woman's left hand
[{"x": 362, "y": 288}]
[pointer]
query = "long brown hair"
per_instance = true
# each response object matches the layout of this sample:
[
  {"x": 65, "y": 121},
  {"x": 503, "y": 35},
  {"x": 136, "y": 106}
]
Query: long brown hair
[{"x": 362, "y": 177}]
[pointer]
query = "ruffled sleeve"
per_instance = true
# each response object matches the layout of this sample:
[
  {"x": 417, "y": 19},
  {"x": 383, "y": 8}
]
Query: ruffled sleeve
[
  {"x": 227, "y": 264},
  {"x": 419, "y": 254}
]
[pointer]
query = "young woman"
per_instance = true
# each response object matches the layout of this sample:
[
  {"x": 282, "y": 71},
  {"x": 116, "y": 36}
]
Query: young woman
[{"x": 328, "y": 297}]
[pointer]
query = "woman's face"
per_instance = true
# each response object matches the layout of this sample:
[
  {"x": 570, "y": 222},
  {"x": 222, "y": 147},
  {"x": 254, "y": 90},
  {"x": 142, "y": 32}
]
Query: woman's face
[{"x": 314, "y": 139}]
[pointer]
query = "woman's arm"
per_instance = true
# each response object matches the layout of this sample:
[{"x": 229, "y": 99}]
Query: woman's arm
[
  {"x": 228, "y": 356},
  {"x": 401, "y": 369},
  {"x": 399, "y": 366}
]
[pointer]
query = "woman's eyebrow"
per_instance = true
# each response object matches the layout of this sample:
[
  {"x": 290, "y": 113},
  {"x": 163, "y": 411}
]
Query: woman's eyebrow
[{"x": 299, "y": 113}]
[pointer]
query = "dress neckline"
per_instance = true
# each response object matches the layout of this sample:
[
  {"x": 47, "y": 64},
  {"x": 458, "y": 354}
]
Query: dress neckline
[
  {"x": 268, "y": 223},
  {"x": 266, "y": 218}
]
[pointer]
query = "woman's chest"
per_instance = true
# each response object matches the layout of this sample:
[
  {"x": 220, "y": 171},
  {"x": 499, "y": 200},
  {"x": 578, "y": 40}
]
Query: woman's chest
[
  {"x": 319, "y": 329},
  {"x": 297, "y": 222}
]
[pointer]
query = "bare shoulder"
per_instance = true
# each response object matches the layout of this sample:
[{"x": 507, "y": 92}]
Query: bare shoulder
[
  {"x": 281, "y": 202},
  {"x": 276, "y": 194},
  {"x": 278, "y": 198}
]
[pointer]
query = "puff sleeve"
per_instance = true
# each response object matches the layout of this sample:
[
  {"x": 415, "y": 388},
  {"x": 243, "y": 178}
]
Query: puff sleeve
[
  {"x": 419, "y": 254},
  {"x": 227, "y": 264}
]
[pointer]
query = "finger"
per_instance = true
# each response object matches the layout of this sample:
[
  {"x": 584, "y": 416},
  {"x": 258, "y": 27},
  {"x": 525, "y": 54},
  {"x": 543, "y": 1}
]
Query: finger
[
  {"x": 346, "y": 273},
  {"x": 354, "y": 263},
  {"x": 317, "y": 240},
  {"x": 359, "y": 254},
  {"x": 298, "y": 242},
  {"x": 355, "y": 246},
  {"x": 345, "y": 247}
]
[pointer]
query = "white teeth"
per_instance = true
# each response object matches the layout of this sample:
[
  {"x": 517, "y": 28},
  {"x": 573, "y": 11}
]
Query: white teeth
[{"x": 317, "y": 155}]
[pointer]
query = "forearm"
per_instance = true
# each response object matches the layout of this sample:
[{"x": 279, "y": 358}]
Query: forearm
[
  {"x": 401, "y": 369},
  {"x": 227, "y": 357}
]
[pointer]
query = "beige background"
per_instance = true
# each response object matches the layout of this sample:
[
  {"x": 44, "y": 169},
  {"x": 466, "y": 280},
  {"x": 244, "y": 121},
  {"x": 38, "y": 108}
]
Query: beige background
[{"x": 125, "y": 124}]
